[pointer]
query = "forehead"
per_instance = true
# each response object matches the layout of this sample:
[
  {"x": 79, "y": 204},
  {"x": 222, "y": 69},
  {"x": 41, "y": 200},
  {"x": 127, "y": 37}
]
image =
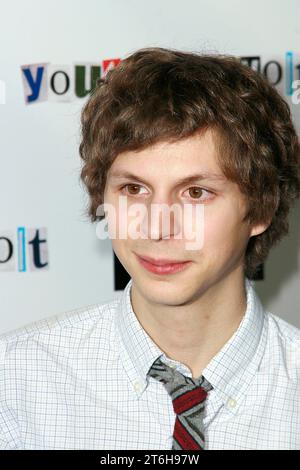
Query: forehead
[{"x": 196, "y": 153}]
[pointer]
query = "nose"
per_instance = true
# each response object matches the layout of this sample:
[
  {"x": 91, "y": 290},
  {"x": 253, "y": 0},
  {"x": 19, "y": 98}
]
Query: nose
[{"x": 162, "y": 220}]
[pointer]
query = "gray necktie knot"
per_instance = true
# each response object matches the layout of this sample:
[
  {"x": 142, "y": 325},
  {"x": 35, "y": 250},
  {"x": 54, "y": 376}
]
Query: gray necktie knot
[{"x": 178, "y": 384}]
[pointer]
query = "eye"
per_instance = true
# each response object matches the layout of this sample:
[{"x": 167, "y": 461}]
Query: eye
[
  {"x": 132, "y": 185},
  {"x": 133, "y": 190},
  {"x": 196, "y": 192}
]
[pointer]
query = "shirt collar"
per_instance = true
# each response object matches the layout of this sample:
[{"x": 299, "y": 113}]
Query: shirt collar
[{"x": 230, "y": 371}]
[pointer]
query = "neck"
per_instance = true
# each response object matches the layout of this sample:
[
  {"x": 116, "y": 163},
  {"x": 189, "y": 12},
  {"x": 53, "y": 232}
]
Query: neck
[{"x": 195, "y": 332}]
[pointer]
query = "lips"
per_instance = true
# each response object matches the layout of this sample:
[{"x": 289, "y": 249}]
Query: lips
[
  {"x": 164, "y": 267},
  {"x": 161, "y": 261}
]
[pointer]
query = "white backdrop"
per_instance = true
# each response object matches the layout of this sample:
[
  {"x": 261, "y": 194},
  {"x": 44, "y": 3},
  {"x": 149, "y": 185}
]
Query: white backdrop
[{"x": 39, "y": 177}]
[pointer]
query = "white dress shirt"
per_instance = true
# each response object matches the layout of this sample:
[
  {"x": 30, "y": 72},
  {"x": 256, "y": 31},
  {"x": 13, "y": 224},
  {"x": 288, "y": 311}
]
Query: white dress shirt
[{"x": 77, "y": 380}]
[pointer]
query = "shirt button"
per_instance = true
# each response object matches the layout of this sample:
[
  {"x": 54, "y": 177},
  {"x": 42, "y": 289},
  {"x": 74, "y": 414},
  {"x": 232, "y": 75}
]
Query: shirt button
[
  {"x": 231, "y": 403},
  {"x": 138, "y": 386}
]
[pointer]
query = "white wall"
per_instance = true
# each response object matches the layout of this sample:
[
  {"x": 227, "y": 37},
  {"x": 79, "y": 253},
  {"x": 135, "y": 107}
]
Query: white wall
[{"x": 39, "y": 143}]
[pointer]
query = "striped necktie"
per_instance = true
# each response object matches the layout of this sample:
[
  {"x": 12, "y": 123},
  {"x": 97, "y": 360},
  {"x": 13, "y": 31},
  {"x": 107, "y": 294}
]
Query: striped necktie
[{"x": 188, "y": 398}]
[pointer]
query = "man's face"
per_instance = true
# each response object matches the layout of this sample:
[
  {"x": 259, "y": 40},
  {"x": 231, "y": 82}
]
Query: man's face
[{"x": 157, "y": 171}]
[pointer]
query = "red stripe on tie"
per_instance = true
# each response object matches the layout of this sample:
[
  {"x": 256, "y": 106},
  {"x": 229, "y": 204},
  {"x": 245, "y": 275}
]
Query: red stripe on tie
[
  {"x": 189, "y": 399},
  {"x": 184, "y": 439}
]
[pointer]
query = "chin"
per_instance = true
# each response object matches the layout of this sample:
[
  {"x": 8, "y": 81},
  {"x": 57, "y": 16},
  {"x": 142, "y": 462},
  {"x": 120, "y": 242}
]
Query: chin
[{"x": 165, "y": 289}]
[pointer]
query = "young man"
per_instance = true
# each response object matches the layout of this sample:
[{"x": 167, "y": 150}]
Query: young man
[{"x": 187, "y": 358}]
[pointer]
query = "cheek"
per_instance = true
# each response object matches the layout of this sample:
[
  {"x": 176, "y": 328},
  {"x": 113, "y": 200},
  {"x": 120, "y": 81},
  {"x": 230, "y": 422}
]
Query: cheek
[
  {"x": 116, "y": 215},
  {"x": 222, "y": 229}
]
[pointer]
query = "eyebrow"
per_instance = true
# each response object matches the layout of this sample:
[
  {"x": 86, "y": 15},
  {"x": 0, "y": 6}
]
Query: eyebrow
[{"x": 186, "y": 179}]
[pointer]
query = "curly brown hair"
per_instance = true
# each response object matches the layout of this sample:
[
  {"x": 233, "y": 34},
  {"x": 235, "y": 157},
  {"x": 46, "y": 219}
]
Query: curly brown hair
[{"x": 158, "y": 94}]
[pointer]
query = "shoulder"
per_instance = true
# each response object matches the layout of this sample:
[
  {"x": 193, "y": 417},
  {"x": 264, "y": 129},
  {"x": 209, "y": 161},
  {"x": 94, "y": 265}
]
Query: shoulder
[
  {"x": 285, "y": 330},
  {"x": 59, "y": 350},
  {"x": 69, "y": 326},
  {"x": 283, "y": 350}
]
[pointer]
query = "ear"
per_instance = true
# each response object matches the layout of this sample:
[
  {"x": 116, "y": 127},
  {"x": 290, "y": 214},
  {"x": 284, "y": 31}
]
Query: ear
[{"x": 258, "y": 229}]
